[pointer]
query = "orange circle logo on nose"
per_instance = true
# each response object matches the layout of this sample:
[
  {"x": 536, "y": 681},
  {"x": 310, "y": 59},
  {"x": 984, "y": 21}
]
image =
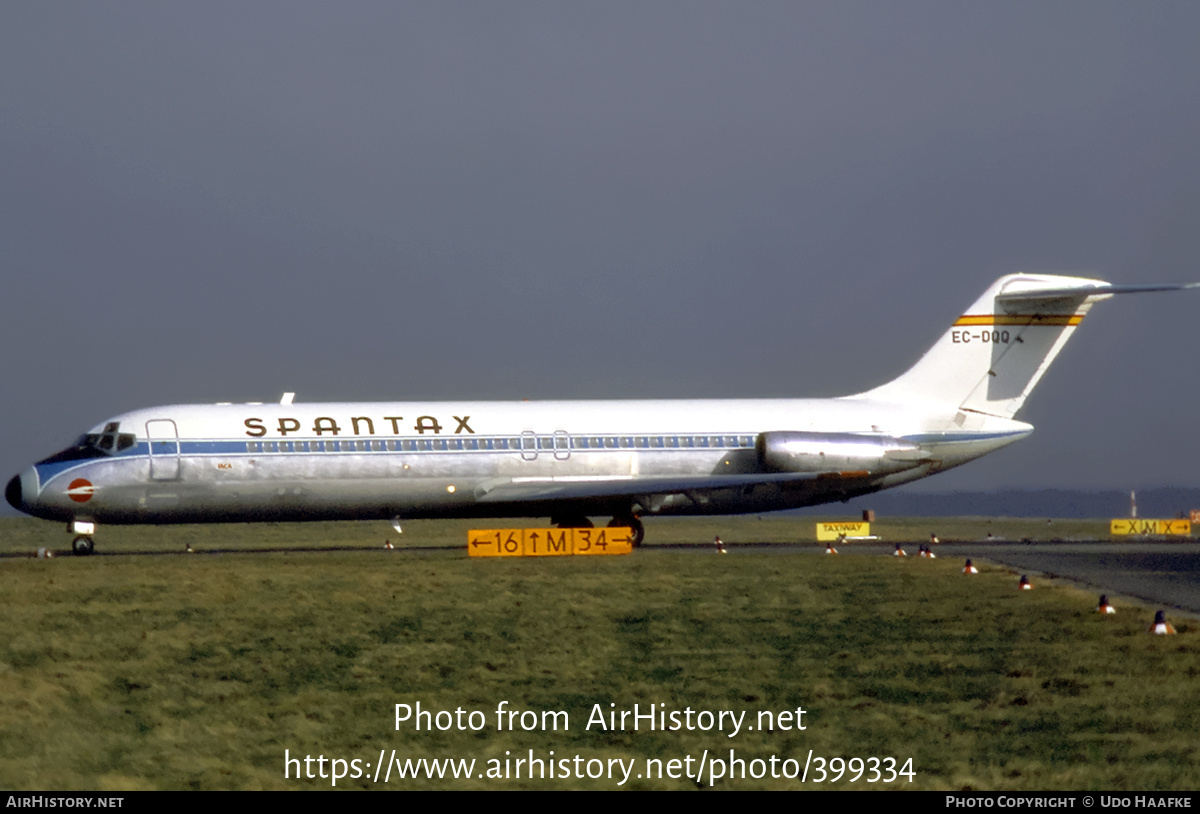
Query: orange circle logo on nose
[{"x": 80, "y": 490}]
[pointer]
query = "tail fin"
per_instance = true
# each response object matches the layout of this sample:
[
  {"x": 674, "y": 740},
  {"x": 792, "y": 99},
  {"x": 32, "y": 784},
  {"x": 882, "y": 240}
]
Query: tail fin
[{"x": 994, "y": 354}]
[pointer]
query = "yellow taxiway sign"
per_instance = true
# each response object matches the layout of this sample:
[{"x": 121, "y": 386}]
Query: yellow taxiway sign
[
  {"x": 828, "y": 532},
  {"x": 1179, "y": 528}
]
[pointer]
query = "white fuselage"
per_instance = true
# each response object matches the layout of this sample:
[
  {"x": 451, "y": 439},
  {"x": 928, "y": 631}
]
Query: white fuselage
[
  {"x": 240, "y": 462},
  {"x": 572, "y": 459}
]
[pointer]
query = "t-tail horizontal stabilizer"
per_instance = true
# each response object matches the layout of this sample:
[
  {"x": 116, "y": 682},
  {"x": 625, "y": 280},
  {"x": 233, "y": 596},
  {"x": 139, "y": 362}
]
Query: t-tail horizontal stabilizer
[{"x": 997, "y": 351}]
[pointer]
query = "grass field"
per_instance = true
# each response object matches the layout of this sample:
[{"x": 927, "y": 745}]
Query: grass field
[{"x": 179, "y": 672}]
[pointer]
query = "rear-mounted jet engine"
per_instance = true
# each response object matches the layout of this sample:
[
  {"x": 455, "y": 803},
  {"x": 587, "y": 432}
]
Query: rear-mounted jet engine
[{"x": 837, "y": 452}]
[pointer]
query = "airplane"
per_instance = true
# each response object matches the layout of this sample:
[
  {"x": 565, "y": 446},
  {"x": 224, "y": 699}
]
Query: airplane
[{"x": 570, "y": 460}]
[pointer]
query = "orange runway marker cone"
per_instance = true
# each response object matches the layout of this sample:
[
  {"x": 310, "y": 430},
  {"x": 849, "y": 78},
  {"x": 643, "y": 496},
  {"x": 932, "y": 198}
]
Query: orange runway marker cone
[{"x": 1161, "y": 626}]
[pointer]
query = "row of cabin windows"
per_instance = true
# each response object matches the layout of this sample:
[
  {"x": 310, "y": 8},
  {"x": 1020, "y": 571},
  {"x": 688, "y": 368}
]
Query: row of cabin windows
[{"x": 527, "y": 443}]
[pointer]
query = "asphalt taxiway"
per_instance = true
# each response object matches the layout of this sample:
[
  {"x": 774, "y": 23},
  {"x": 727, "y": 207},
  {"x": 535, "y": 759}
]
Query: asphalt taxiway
[{"x": 1158, "y": 574}]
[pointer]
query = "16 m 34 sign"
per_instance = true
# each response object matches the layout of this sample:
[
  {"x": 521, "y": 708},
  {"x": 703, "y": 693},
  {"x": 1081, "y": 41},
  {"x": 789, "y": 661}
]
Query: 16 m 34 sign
[{"x": 549, "y": 542}]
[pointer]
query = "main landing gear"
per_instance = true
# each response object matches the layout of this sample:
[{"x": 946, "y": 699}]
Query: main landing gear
[
  {"x": 572, "y": 521},
  {"x": 633, "y": 524},
  {"x": 581, "y": 522}
]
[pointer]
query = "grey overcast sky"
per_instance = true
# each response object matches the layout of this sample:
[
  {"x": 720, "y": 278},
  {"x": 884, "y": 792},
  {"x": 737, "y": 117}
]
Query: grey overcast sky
[{"x": 221, "y": 201}]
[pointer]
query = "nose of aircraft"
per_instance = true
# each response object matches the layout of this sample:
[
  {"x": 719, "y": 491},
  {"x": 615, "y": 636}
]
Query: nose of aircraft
[{"x": 12, "y": 492}]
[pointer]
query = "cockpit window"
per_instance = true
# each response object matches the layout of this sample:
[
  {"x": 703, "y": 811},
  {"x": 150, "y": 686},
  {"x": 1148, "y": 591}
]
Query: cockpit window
[{"x": 96, "y": 445}]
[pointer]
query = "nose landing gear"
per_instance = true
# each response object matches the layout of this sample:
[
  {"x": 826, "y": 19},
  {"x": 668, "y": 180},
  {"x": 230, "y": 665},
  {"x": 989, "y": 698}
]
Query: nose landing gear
[{"x": 83, "y": 544}]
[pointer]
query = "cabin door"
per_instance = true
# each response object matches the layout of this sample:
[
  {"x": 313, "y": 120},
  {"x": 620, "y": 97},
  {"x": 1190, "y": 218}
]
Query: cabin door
[{"x": 164, "y": 449}]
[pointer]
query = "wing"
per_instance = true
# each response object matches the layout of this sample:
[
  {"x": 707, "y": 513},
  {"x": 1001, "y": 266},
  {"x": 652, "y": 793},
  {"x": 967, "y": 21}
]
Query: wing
[{"x": 585, "y": 487}]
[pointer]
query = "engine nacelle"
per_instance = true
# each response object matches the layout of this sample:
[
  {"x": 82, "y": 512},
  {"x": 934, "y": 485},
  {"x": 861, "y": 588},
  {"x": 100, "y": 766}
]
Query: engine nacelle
[{"x": 787, "y": 451}]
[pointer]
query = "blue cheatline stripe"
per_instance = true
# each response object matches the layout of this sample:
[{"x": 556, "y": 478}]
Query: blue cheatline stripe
[
  {"x": 45, "y": 472},
  {"x": 416, "y": 445},
  {"x": 473, "y": 443},
  {"x": 669, "y": 443}
]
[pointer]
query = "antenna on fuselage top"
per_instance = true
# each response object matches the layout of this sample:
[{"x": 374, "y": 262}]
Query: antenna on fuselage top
[{"x": 288, "y": 398}]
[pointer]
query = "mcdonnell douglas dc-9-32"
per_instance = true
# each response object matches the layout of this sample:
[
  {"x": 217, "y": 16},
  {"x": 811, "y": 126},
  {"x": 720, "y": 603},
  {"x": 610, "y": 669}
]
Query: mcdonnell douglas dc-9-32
[{"x": 570, "y": 460}]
